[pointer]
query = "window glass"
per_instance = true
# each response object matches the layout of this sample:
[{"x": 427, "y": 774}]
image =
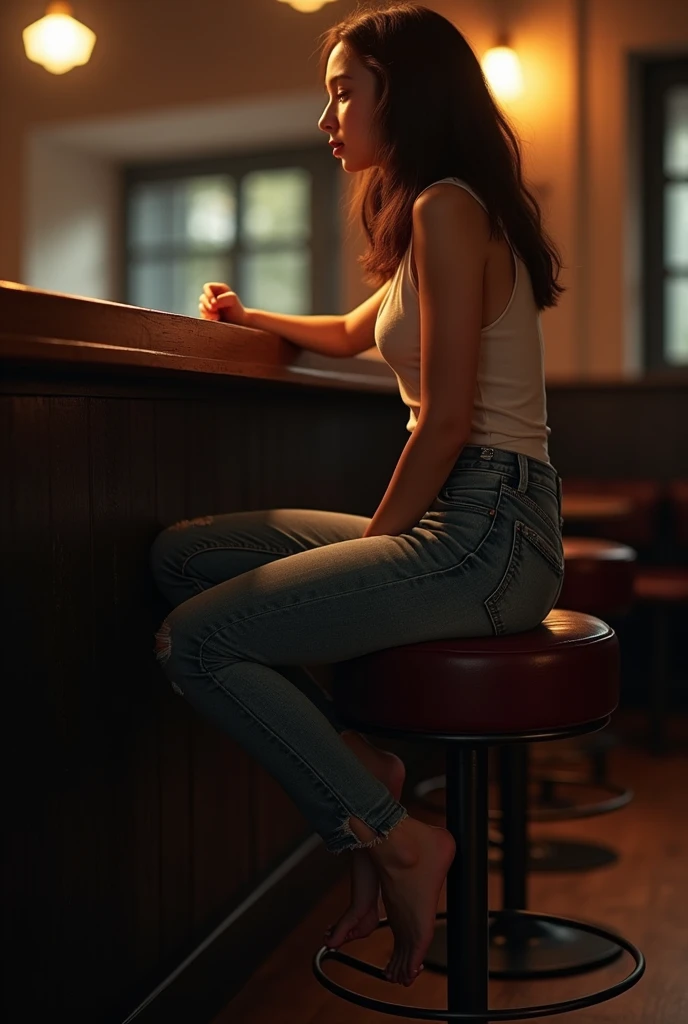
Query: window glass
[
  {"x": 149, "y": 285},
  {"x": 278, "y": 282},
  {"x": 676, "y": 139},
  {"x": 276, "y": 205},
  {"x": 149, "y": 222},
  {"x": 198, "y": 212},
  {"x": 173, "y": 283},
  {"x": 676, "y": 320},
  {"x": 676, "y": 226},
  {"x": 205, "y": 211}
]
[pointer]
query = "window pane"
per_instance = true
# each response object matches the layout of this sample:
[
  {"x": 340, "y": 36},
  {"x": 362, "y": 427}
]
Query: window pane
[
  {"x": 676, "y": 226},
  {"x": 149, "y": 284},
  {"x": 676, "y": 140},
  {"x": 189, "y": 276},
  {"x": 676, "y": 320},
  {"x": 278, "y": 282},
  {"x": 204, "y": 211},
  {"x": 189, "y": 212},
  {"x": 173, "y": 285},
  {"x": 276, "y": 205},
  {"x": 150, "y": 213}
]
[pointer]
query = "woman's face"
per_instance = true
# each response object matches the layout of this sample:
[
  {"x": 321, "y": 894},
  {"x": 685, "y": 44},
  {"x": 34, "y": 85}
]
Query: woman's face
[{"x": 347, "y": 118}]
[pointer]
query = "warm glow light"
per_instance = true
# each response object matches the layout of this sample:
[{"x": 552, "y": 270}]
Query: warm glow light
[
  {"x": 58, "y": 42},
  {"x": 306, "y": 6},
  {"x": 502, "y": 69}
]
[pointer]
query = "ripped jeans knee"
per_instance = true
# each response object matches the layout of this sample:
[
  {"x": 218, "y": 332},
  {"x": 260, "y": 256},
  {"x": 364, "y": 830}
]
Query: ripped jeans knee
[
  {"x": 163, "y": 649},
  {"x": 361, "y": 835}
]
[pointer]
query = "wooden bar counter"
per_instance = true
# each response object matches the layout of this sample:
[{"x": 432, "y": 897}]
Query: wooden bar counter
[{"x": 133, "y": 828}]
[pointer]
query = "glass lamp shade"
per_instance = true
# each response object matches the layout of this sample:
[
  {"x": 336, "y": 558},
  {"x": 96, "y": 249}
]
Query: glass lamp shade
[
  {"x": 306, "y": 6},
  {"x": 502, "y": 69},
  {"x": 58, "y": 41}
]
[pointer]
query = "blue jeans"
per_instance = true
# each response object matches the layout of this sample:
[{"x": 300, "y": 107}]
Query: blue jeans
[{"x": 258, "y": 594}]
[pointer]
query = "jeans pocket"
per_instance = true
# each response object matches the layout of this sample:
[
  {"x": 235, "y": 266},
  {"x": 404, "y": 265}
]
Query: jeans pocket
[
  {"x": 530, "y": 586},
  {"x": 472, "y": 491},
  {"x": 543, "y": 502}
]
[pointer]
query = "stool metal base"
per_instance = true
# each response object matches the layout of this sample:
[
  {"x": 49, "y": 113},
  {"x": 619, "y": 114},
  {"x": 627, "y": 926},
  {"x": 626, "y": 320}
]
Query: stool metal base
[
  {"x": 566, "y": 855},
  {"x": 552, "y": 807},
  {"x": 527, "y": 921},
  {"x": 534, "y": 948},
  {"x": 530, "y": 947},
  {"x": 557, "y": 855},
  {"x": 548, "y": 854},
  {"x": 467, "y": 917}
]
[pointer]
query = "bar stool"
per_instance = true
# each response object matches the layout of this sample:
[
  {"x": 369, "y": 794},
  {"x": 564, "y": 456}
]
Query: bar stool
[
  {"x": 598, "y": 579},
  {"x": 558, "y": 680}
]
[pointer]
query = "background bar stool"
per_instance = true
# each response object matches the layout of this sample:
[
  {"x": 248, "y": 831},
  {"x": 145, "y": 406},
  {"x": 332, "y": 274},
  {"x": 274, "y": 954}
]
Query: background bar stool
[
  {"x": 599, "y": 580},
  {"x": 663, "y": 591},
  {"x": 661, "y": 588},
  {"x": 558, "y": 680}
]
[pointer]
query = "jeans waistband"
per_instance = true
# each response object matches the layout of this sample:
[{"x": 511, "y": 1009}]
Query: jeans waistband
[{"x": 523, "y": 469}]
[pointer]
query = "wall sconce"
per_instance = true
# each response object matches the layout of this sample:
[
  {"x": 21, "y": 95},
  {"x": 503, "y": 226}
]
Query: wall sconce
[
  {"x": 306, "y": 6},
  {"x": 502, "y": 69},
  {"x": 58, "y": 41}
]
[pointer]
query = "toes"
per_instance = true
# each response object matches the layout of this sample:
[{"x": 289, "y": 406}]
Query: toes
[
  {"x": 337, "y": 935},
  {"x": 403, "y": 963}
]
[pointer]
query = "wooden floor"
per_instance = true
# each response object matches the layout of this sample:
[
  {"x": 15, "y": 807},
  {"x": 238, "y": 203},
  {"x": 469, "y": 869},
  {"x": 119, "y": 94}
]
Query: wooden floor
[{"x": 644, "y": 896}]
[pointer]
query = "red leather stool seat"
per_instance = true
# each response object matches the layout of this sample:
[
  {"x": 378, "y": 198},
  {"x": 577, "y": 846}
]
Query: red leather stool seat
[
  {"x": 598, "y": 576},
  {"x": 563, "y": 673},
  {"x": 666, "y": 583}
]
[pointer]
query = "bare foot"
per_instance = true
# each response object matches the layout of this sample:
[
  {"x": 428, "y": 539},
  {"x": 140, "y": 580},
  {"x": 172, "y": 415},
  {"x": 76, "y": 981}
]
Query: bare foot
[
  {"x": 362, "y": 915},
  {"x": 412, "y": 870}
]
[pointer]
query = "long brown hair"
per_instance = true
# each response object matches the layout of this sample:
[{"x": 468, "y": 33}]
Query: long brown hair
[{"x": 435, "y": 117}]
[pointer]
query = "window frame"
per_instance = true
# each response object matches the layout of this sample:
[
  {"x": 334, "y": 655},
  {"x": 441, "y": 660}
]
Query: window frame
[
  {"x": 658, "y": 76},
  {"x": 326, "y": 196}
]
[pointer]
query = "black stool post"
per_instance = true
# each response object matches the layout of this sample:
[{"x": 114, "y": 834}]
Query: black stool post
[
  {"x": 513, "y": 784},
  {"x": 526, "y": 946},
  {"x": 467, "y": 900}
]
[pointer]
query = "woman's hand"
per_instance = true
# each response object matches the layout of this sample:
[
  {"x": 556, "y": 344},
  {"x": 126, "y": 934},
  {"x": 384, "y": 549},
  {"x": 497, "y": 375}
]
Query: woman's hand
[{"x": 219, "y": 302}]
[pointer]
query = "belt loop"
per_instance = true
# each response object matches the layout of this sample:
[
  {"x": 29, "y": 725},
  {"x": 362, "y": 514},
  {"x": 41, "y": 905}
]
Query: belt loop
[{"x": 523, "y": 473}]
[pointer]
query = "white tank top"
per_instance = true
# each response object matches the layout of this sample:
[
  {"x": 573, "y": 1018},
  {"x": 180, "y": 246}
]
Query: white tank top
[{"x": 509, "y": 408}]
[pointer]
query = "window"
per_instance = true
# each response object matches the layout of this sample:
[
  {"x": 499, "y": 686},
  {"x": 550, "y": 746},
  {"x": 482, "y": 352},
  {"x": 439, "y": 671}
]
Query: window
[
  {"x": 665, "y": 215},
  {"x": 267, "y": 224}
]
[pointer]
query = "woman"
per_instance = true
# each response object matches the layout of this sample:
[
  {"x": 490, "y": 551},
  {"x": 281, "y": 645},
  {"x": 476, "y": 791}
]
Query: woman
[{"x": 467, "y": 538}]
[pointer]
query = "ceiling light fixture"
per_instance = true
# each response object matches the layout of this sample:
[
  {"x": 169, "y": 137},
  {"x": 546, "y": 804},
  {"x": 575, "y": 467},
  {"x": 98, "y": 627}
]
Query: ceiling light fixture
[
  {"x": 306, "y": 6},
  {"x": 58, "y": 41}
]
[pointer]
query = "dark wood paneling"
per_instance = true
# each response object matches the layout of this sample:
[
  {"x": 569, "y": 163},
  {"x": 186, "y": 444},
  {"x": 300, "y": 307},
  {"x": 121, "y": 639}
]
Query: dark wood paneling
[
  {"x": 134, "y": 827},
  {"x": 633, "y": 430}
]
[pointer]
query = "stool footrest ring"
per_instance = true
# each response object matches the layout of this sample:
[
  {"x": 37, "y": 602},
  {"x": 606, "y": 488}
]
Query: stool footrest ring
[
  {"x": 514, "y": 1013},
  {"x": 621, "y": 796}
]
